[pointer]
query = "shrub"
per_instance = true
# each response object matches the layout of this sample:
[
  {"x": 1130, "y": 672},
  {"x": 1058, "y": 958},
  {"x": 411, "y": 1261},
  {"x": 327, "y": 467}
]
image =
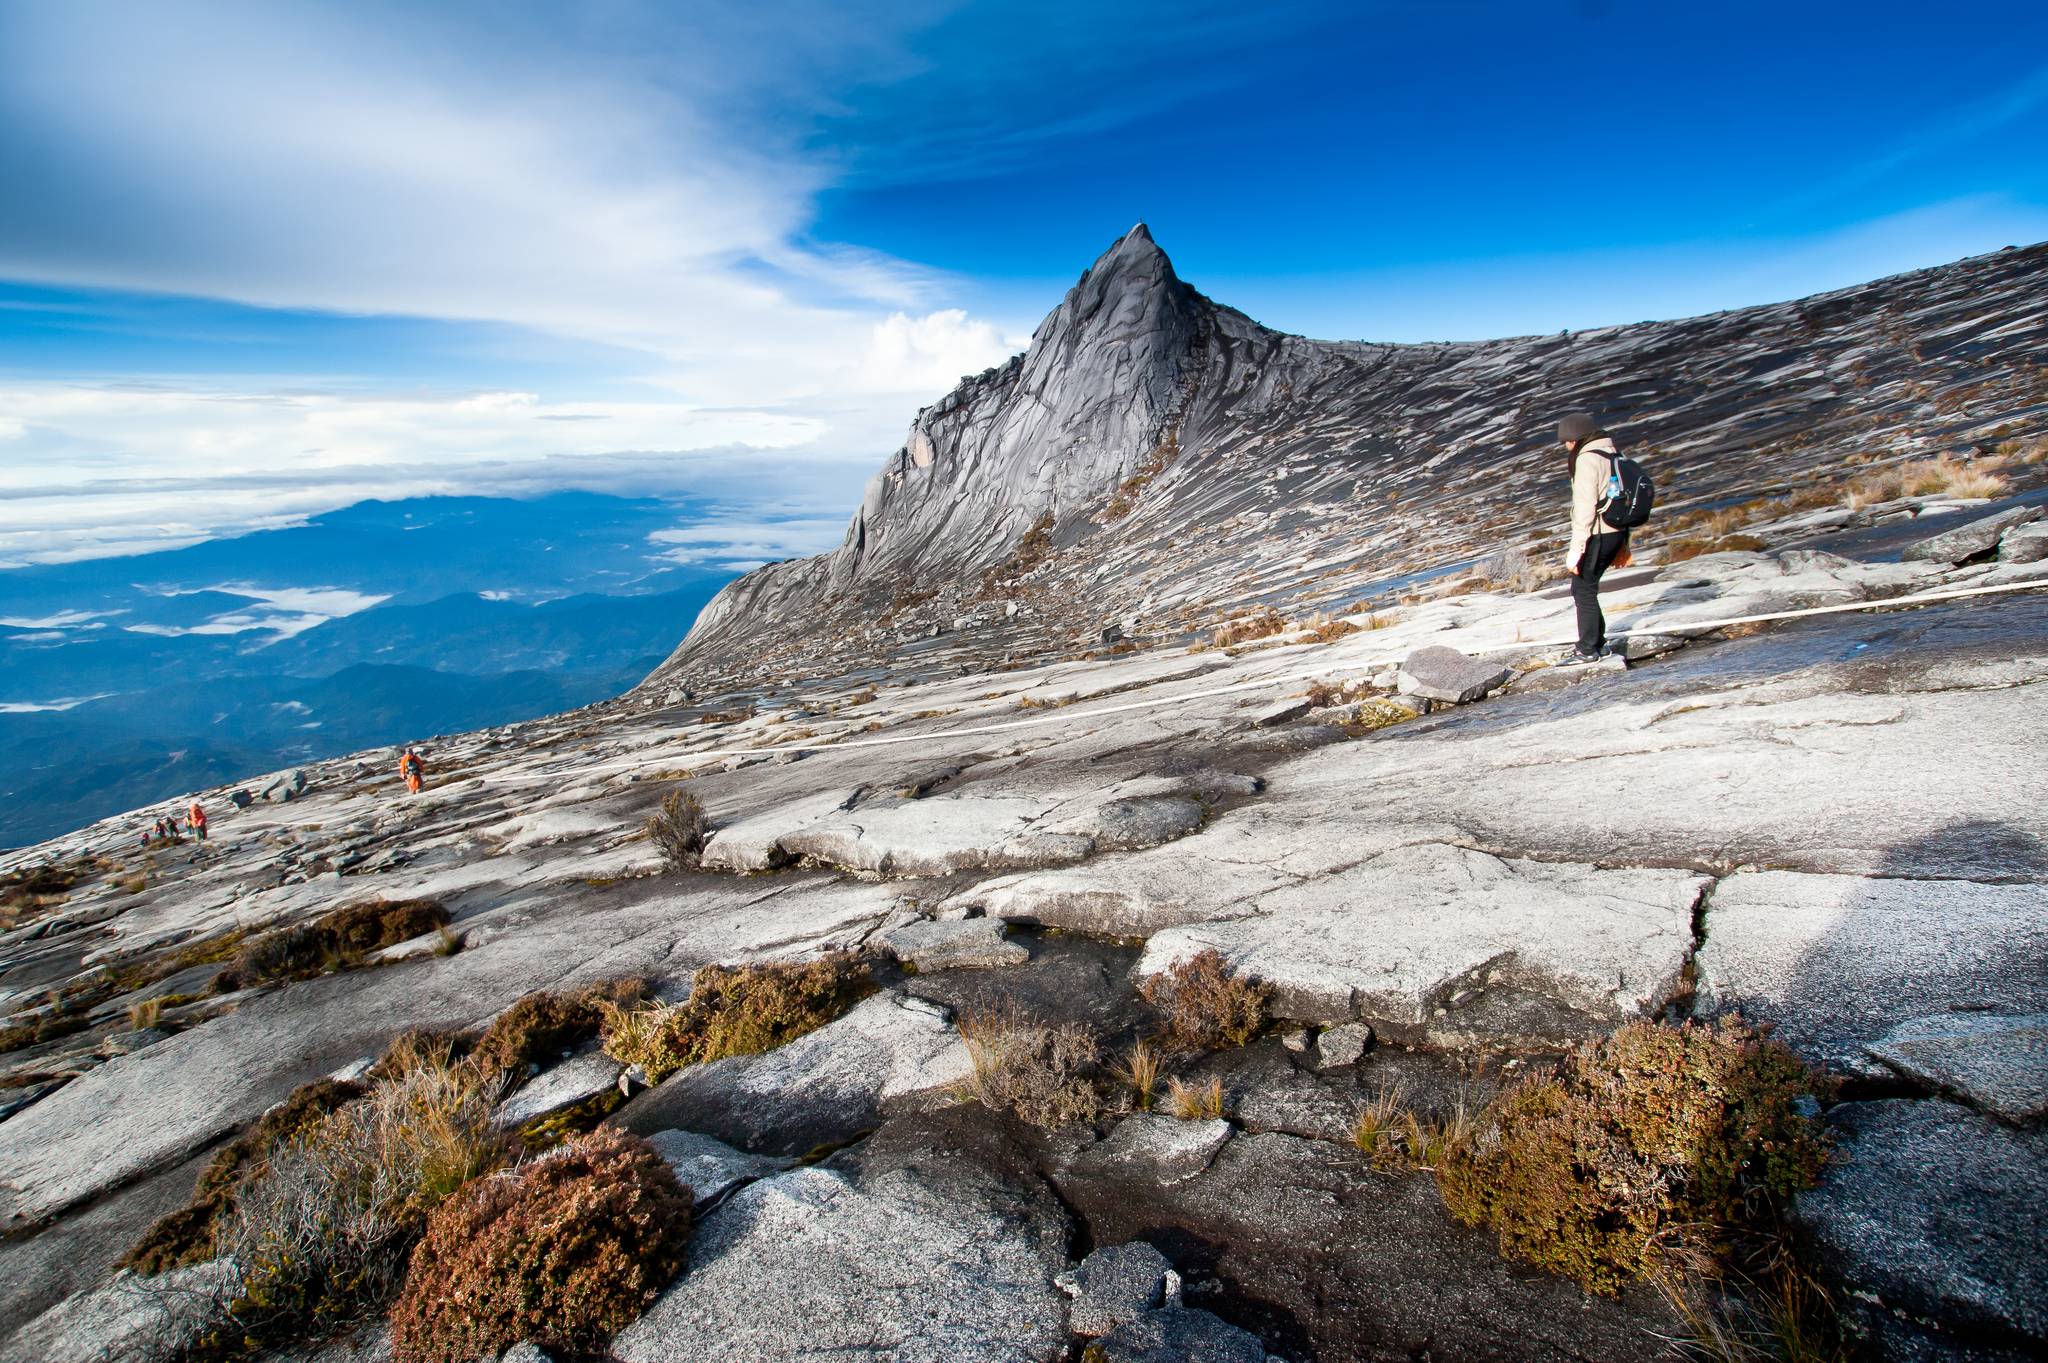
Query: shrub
[
  {"x": 1651, "y": 1133},
  {"x": 319, "y": 1238},
  {"x": 186, "y": 1236},
  {"x": 734, "y": 1010},
  {"x": 542, "y": 1025},
  {"x": 679, "y": 830},
  {"x": 334, "y": 941},
  {"x": 1381, "y": 714},
  {"x": 1677, "y": 551},
  {"x": 565, "y": 1252},
  {"x": 1205, "y": 1006},
  {"x": 1195, "y": 1102},
  {"x": 1041, "y": 1072}
]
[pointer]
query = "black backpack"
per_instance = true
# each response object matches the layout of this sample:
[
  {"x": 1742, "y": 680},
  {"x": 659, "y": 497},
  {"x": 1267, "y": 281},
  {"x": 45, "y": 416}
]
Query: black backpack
[{"x": 1629, "y": 494}]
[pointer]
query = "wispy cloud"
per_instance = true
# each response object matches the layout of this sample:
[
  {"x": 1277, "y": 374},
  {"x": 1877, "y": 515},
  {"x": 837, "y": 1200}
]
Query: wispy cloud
[{"x": 637, "y": 176}]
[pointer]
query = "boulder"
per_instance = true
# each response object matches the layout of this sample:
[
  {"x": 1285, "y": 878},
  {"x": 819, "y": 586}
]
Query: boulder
[
  {"x": 1177, "y": 1335},
  {"x": 935, "y": 1263},
  {"x": 241, "y": 799},
  {"x": 573, "y": 1081},
  {"x": 820, "y": 1089},
  {"x": 1342, "y": 1045},
  {"x": 970, "y": 943},
  {"x": 1157, "y": 1148},
  {"x": 1980, "y": 536},
  {"x": 1445, "y": 674},
  {"x": 2026, "y": 543},
  {"x": 1998, "y": 1065},
  {"x": 1114, "y": 1285},
  {"x": 1930, "y": 1219},
  {"x": 709, "y": 1167}
]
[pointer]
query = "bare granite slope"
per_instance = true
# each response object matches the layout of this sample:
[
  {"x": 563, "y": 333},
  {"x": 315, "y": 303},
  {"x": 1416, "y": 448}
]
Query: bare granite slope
[{"x": 1837, "y": 824}]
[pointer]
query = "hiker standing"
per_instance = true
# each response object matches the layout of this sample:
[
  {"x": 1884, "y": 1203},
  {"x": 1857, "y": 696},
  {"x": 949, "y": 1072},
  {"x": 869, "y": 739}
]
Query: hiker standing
[
  {"x": 1596, "y": 545},
  {"x": 195, "y": 819},
  {"x": 414, "y": 770}
]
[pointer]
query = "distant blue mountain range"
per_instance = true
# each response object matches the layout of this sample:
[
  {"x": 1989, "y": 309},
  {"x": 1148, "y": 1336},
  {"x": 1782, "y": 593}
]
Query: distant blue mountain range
[{"x": 130, "y": 680}]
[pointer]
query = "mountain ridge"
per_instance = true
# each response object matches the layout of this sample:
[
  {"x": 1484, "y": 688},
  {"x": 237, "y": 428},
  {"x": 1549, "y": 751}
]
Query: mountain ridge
[{"x": 1144, "y": 417}]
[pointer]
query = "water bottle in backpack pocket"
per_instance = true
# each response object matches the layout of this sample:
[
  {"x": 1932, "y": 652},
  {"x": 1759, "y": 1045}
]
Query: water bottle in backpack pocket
[{"x": 1625, "y": 503}]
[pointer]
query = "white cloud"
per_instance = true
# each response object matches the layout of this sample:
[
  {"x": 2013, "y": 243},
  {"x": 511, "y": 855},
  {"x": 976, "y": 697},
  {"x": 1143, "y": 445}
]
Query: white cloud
[
  {"x": 930, "y": 354},
  {"x": 641, "y": 176},
  {"x": 106, "y": 469},
  {"x": 740, "y": 542},
  {"x": 31, "y": 707}
]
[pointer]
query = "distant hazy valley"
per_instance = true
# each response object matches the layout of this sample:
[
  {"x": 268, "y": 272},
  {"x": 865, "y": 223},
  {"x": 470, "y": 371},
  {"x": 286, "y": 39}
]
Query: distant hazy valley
[{"x": 131, "y": 680}]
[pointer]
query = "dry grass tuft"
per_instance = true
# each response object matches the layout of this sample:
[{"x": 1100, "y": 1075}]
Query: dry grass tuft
[
  {"x": 1262, "y": 624},
  {"x": 1195, "y": 1102},
  {"x": 1374, "y": 1132},
  {"x": 144, "y": 1014},
  {"x": 1138, "y": 1072}
]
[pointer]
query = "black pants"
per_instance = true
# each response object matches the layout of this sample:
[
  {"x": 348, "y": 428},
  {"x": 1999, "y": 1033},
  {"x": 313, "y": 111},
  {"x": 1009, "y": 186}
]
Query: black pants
[{"x": 1600, "y": 554}]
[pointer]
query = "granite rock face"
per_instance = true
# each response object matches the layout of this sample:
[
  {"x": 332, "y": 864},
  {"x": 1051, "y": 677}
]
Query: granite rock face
[
  {"x": 1933, "y": 1217},
  {"x": 1150, "y": 445},
  {"x": 910, "y": 1264}
]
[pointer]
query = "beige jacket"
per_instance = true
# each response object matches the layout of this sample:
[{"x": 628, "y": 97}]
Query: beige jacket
[{"x": 1589, "y": 486}]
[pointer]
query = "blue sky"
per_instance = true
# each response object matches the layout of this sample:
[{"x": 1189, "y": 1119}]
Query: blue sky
[{"x": 261, "y": 259}]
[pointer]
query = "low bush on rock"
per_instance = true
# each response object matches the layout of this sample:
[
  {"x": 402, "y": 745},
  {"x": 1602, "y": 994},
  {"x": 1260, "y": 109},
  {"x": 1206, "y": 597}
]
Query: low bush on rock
[
  {"x": 1652, "y": 1137},
  {"x": 542, "y": 1025},
  {"x": 334, "y": 941},
  {"x": 1206, "y": 1007},
  {"x": 320, "y": 1237},
  {"x": 186, "y": 1236},
  {"x": 565, "y": 1252},
  {"x": 734, "y": 1010},
  {"x": 679, "y": 829},
  {"x": 1042, "y": 1073}
]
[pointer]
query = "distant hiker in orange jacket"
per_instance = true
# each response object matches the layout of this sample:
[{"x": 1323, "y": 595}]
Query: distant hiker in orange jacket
[
  {"x": 414, "y": 770},
  {"x": 195, "y": 819}
]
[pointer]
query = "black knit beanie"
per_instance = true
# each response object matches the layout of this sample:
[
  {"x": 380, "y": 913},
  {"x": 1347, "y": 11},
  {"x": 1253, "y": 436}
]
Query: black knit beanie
[{"x": 1578, "y": 426}]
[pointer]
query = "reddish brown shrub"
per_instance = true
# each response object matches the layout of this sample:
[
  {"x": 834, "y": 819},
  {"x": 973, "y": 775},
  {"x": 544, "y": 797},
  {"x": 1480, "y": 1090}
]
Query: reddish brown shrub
[
  {"x": 565, "y": 1252},
  {"x": 1207, "y": 1007},
  {"x": 540, "y": 1026}
]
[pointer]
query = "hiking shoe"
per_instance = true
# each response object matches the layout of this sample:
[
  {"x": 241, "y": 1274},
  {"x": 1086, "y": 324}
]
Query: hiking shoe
[{"x": 1578, "y": 659}]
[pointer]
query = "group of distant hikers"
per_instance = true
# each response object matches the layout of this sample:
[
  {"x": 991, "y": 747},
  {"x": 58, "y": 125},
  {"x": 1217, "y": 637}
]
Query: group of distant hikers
[
  {"x": 411, "y": 767},
  {"x": 165, "y": 829}
]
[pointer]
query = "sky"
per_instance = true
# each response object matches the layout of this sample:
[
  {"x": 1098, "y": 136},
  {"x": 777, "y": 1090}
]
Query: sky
[{"x": 259, "y": 260}]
